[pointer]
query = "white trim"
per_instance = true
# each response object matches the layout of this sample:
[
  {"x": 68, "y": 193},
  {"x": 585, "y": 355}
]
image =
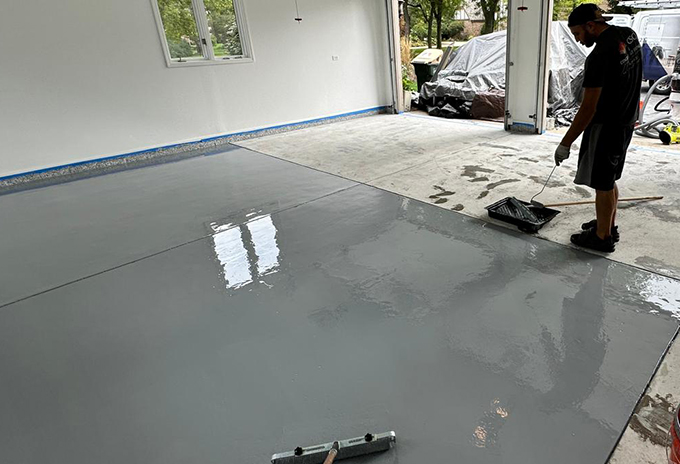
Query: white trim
[
  {"x": 544, "y": 19},
  {"x": 243, "y": 34},
  {"x": 543, "y": 65},
  {"x": 161, "y": 31},
  {"x": 201, "y": 20},
  {"x": 507, "y": 118},
  {"x": 394, "y": 56},
  {"x": 204, "y": 62}
]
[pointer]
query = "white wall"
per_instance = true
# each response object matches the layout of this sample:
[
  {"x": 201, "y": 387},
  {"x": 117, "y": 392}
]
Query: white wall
[{"x": 83, "y": 79}]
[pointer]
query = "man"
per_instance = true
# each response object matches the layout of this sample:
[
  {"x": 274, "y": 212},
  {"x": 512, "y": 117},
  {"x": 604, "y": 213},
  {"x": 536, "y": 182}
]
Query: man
[{"x": 612, "y": 81}]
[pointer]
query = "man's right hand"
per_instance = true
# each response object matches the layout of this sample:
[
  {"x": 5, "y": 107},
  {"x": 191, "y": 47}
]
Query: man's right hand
[{"x": 561, "y": 154}]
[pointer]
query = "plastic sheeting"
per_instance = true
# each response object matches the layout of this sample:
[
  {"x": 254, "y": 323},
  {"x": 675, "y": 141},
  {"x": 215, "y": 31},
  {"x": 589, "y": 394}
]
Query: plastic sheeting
[
  {"x": 479, "y": 67},
  {"x": 567, "y": 59}
]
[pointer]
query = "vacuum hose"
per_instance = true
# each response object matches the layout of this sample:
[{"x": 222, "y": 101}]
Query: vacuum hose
[{"x": 648, "y": 129}]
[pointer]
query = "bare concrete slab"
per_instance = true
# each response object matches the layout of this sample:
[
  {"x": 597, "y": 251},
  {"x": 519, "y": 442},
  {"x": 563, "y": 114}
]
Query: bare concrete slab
[
  {"x": 358, "y": 310},
  {"x": 373, "y": 147}
]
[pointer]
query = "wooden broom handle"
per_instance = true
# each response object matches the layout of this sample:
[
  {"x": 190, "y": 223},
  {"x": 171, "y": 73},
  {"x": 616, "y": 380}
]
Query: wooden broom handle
[{"x": 591, "y": 202}]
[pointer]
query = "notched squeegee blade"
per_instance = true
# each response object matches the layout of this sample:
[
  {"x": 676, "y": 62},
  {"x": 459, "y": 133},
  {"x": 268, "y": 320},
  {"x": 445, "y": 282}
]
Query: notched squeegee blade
[{"x": 348, "y": 449}]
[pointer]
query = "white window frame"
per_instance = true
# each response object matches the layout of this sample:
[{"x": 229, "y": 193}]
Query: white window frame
[{"x": 209, "y": 58}]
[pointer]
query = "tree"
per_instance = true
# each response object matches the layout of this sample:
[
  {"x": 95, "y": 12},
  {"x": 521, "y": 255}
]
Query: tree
[
  {"x": 405, "y": 18},
  {"x": 405, "y": 43},
  {"x": 427, "y": 13},
  {"x": 489, "y": 9},
  {"x": 223, "y": 26},
  {"x": 182, "y": 33},
  {"x": 433, "y": 13},
  {"x": 443, "y": 9},
  {"x": 180, "y": 27},
  {"x": 562, "y": 8}
]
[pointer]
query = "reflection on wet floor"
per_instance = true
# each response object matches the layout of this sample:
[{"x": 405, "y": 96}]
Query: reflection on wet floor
[
  {"x": 234, "y": 258},
  {"x": 485, "y": 434},
  {"x": 246, "y": 251},
  {"x": 263, "y": 233},
  {"x": 661, "y": 292}
]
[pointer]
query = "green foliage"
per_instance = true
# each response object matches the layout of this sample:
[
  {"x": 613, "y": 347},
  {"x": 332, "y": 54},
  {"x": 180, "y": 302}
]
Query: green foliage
[
  {"x": 489, "y": 9},
  {"x": 182, "y": 34},
  {"x": 419, "y": 32},
  {"x": 223, "y": 26},
  {"x": 406, "y": 81},
  {"x": 180, "y": 28},
  {"x": 408, "y": 84},
  {"x": 178, "y": 19},
  {"x": 562, "y": 8},
  {"x": 181, "y": 48},
  {"x": 453, "y": 30},
  {"x": 421, "y": 21},
  {"x": 424, "y": 20}
]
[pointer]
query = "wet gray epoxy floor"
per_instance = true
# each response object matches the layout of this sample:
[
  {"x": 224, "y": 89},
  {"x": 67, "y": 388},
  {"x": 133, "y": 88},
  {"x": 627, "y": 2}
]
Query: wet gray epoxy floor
[
  {"x": 55, "y": 235},
  {"x": 350, "y": 311}
]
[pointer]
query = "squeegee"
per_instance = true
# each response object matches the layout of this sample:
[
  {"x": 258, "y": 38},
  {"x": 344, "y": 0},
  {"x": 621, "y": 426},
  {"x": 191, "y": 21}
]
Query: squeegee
[{"x": 337, "y": 450}]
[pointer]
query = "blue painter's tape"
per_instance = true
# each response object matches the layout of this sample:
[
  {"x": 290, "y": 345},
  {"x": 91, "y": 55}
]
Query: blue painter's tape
[
  {"x": 281, "y": 126},
  {"x": 188, "y": 144}
]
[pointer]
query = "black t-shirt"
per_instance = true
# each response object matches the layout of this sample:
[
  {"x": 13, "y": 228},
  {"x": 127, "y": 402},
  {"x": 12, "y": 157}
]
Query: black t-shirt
[{"x": 616, "y": 65}]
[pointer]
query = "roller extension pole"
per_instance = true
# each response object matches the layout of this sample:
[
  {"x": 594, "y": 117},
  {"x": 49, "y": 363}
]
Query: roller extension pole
[{"x": 592, "y": 202}]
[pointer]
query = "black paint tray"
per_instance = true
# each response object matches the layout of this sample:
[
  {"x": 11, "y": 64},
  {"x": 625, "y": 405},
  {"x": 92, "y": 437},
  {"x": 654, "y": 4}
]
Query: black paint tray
[{"x": 525, "y": 216}]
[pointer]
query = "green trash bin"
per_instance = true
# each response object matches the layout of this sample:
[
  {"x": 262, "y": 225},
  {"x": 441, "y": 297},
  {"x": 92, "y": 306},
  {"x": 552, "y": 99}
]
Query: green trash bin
[{"x": 425, "y": 65}]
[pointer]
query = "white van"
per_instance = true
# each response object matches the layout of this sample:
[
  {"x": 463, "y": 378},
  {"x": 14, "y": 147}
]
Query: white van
[
  {"x": 621, "y": 20},
  {"x": 661, "y": 30}
]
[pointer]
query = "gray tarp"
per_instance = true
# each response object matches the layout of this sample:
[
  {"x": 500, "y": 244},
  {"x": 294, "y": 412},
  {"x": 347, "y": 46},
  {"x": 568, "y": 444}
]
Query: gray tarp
[{"x": 479, "y": 66}]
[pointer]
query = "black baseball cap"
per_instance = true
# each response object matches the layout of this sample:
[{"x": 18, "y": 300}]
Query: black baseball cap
[{"x": 585, "y": 13}]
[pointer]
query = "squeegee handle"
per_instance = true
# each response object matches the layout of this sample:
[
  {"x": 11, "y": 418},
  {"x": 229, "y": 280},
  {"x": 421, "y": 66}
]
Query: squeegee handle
[
  {"x": 591, "y": 202},
  {"x": 331, "y": 455}
]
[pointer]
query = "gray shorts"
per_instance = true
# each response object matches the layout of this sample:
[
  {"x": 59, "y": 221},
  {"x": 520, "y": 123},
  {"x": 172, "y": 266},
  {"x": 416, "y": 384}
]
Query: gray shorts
[{"x": 602, "y": 155}]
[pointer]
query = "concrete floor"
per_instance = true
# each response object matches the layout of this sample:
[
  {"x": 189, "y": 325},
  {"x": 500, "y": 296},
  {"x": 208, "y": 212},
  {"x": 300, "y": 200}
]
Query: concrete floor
[
  {"x": 224, "y": 308},
  {"x": 466, "y": 165}
]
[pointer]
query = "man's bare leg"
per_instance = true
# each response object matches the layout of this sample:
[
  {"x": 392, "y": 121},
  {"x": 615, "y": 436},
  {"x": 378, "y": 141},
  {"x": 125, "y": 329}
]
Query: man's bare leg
[
  {"x": 616, "y": 205},
  {"x": 605, "y": 209}
]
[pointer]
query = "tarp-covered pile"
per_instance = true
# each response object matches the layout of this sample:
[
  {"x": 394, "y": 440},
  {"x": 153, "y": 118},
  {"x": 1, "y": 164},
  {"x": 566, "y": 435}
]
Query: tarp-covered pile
[{"x": 475, "y": 78}]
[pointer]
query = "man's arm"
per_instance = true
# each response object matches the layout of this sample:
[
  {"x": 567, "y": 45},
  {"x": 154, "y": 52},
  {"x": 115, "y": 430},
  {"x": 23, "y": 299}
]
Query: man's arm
[{"x": 585, "y": 114}]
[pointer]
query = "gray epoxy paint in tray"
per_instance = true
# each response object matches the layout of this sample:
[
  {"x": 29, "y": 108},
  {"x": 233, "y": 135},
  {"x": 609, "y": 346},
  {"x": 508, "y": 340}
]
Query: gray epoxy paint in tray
[{"x": 358, "y": 311}]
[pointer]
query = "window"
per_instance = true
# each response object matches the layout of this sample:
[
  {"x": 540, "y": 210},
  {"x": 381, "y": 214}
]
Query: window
[{"x": 196, "y": 32}]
